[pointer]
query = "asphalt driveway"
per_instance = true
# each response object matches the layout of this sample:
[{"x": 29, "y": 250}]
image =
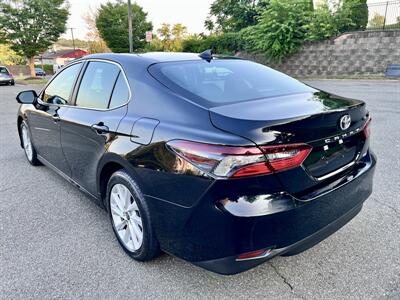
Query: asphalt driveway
[{"x": 55, "y": 243}]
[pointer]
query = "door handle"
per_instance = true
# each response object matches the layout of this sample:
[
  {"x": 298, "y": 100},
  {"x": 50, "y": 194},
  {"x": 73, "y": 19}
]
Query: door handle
[{"x": 100, "y": 128}]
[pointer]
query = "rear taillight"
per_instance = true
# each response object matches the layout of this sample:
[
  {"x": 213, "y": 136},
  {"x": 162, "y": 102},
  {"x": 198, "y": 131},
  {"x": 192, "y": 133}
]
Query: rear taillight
[
  {"x": 233, "y": 162},
  {"x": 367, "y": 128}
]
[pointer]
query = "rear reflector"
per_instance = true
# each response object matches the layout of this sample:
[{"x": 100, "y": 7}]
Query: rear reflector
[
  {"x": 254, "y": 254},
  {"x": 234, "y": 162}
]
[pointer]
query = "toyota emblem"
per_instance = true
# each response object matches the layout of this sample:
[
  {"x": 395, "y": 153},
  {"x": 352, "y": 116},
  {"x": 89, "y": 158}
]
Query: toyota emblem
[{"x": 345, "y": 122}]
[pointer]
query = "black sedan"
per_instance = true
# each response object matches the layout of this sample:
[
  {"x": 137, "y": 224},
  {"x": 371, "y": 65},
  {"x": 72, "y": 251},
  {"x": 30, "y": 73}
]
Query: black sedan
[{"x": 220, "y": 161}]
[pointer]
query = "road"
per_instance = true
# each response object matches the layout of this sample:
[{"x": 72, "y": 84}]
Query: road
[{"x": 55, "y": 243}]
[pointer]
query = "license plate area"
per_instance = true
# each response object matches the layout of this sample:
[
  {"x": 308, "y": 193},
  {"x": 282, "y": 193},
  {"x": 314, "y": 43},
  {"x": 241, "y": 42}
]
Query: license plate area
[{"x": 329, "y": 157}]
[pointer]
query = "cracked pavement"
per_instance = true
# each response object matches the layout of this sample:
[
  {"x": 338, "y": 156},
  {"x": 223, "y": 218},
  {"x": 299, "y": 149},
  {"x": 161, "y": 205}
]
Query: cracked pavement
[{"x": 55, "y": 243}]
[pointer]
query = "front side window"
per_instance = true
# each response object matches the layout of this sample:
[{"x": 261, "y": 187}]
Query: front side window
[
  {"x": 3, "y": 70},
  {"x": 60, "y": 88},
  {"x": 97, "y": 85}
]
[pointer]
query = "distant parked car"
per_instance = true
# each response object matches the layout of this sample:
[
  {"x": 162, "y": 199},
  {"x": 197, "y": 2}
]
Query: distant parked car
[
  {"x": 40, "y": 72},
  {"x": 6, "y": 77}
]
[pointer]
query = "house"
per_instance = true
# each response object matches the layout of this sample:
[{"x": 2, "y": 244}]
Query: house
[{"x": 60, "y": 57}]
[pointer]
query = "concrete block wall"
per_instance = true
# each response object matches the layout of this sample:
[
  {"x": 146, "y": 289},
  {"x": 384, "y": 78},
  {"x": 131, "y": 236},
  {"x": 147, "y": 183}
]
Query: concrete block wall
[{"x": 351, "y": 54}]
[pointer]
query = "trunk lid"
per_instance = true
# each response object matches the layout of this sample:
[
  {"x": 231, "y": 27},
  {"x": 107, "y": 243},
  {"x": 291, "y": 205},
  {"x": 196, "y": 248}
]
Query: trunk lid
[{"x": 311, "y": 118}]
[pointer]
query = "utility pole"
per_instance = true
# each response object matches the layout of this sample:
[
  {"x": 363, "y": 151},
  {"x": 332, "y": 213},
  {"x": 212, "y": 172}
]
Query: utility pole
[
  {"x": 384, "y": 20},
  {"x": 130, "y": 26},
  {"x": 72, "y": 34}
]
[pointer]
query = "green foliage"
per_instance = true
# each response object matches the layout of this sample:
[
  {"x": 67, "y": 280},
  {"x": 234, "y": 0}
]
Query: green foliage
[
  {"x": 326, "y": 22},
  {"x": 357, "y": 12},
  {"x": 10, "y": 57},
  {"x": 281, "y": 29},
  {"x": 234, "y": 15},
  {"x": 112, "y": 23},
  {"x": 226, "y": 43},
  {"x": 31, "y": 26}
]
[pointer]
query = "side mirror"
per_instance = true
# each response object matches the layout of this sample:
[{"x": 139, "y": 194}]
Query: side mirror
[{"x": 27, "y": 97}]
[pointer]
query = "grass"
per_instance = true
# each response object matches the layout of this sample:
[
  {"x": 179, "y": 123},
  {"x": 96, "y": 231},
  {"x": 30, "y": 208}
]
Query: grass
[{"x": 30, "y": 80}]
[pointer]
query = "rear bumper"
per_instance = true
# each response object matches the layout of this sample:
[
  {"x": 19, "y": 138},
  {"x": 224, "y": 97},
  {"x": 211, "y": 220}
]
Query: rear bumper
[
  {"x": 230, "y": 266},
  {"x": 213, "y": 238}
]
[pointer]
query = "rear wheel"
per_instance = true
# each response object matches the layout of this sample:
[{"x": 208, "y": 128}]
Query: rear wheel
[
  {"x": 130, "y": 217},
  {"x": 29, "y": 149}
]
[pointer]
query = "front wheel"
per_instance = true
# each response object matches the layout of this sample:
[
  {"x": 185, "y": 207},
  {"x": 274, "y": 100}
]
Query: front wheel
[
  {"x": 130, "y": 217},
  {"x": 29, "y": 149}
]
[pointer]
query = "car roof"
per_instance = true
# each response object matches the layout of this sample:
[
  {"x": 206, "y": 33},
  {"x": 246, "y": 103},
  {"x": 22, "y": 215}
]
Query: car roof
[{"x": 150, "y": 57}]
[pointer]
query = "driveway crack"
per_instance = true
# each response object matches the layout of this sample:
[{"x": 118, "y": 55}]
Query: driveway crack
[
  {"x": 394, "y": 209},
  {"x": 285, "y": 280}
]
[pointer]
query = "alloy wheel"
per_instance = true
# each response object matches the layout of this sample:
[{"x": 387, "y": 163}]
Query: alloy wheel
[
  {"x": 126, "y": 217},
  {"x": 26, "y": 141}
]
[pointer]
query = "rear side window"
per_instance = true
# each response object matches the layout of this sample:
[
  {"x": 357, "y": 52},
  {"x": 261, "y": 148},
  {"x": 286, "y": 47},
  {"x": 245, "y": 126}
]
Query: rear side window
[
  {"x": 225, "y": 81},
  {"x": 60, "y": 88},
  {"x": 120, "y": 94},
  {"x": 97, "y": 85}
]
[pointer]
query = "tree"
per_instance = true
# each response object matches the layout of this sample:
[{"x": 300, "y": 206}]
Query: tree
[
  {"x": 95, "y": 43},
  {"x": 170, "y": 37},
  {"x": 234, "y": 15},
  {"x": 112, "y": 23},
  {"x": 31, "y": 26},
  {"x": 358, "y": 13},
  {"x": 377, "y": 21}
]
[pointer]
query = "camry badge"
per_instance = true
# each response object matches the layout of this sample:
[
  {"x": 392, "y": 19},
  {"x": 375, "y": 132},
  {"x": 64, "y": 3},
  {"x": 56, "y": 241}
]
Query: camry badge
[{"x": 345, "y": 122}]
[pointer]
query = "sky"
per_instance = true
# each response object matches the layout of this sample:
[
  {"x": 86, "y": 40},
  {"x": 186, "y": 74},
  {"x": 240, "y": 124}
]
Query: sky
[{"x": 191, "y": 13}]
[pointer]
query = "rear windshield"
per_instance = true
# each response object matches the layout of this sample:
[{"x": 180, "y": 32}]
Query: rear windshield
[
  {"x": 3, "y": 70},
  {"x": 225, "y": 81}
]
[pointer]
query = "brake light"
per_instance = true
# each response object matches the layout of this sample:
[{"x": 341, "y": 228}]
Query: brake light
[
  {"x": 286, "y": 156},
  {"x": 234, "y": 162},
  {"x": 367, "y": 128}
]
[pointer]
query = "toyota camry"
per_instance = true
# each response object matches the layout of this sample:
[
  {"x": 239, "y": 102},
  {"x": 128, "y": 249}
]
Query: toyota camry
[{"x": 220, "y": 161}]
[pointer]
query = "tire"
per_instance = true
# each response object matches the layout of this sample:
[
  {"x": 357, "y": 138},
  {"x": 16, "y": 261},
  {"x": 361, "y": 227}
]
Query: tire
[
  {"x": 29, "y": 149},
  {"x": 130, "y": 217},
  {"x": 13, "y": 83}
]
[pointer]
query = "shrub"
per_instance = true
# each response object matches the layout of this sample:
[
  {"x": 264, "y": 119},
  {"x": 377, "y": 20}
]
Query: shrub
[
  {"x": 281, "y": 29},
  {"x": 325, "y": 22},
  {"x": 226, "y": 43},
  {"x": 357, "y": 12}
]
